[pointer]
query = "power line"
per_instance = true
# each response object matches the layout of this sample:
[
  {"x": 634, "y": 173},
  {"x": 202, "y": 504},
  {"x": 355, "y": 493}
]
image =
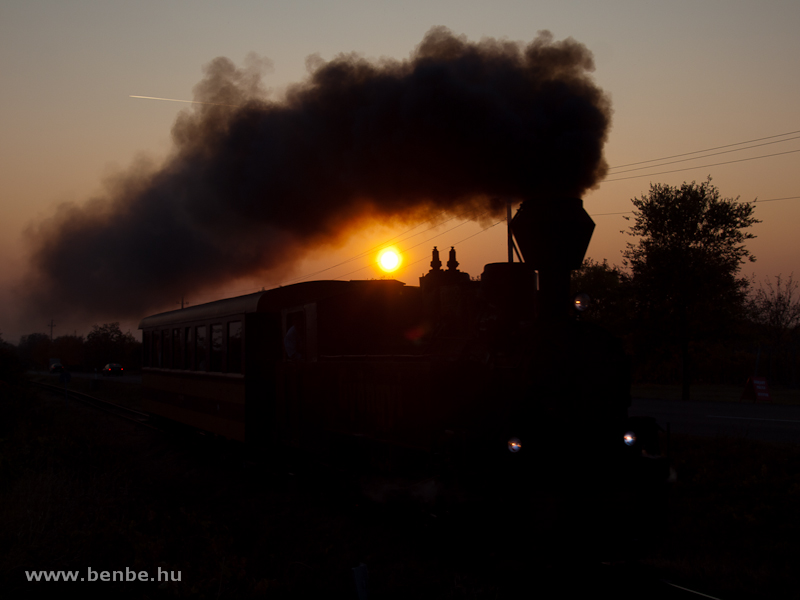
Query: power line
[
  {"x": 389, "y": 241},
  {"x": 441, "y": 234},
  {"x": 392, "y": 240},
  {"x": 362, "y": 254},
  {"x": 434, "y": 237},
  {"x": 422, "y": 242},
  {"x": 357, "y": 256},
  {"x": 707, "y": 155},
  {"x": 641, "y": 162},
  {"x": 468, "y": 237},
  {"x": 464, "y": 240},
  {"x": 776, "y": 199},
  {"x": 702, "y": 166},
  {"x": 629, "y": 212}
]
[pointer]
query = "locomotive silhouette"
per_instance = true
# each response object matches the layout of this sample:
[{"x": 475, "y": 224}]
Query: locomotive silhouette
[{"x": 496, "y": 375}]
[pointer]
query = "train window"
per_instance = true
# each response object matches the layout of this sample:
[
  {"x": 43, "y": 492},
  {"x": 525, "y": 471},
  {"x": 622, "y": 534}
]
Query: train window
[
  {"x": 177, "y": 349},
  {"x": 146, "y": 339},
  {"x": 200, "y": 348},
  {"x": 167, "y": 353},
  {"x": 235, "y": 347},
  {"x": 157, "y": 349},
  {"x": 187, "y": 346},
  {"x": 294, "y": 341},
  {"x": 216, "y": 347}
]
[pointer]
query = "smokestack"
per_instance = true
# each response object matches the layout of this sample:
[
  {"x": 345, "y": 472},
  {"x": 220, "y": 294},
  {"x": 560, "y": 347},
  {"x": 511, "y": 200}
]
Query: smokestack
[
  {"x": 254, "y": 184},
  {"x": 436, "y": 264},
  {"x": 553, "y": 237},
  {"x": 452, "y": 263}
]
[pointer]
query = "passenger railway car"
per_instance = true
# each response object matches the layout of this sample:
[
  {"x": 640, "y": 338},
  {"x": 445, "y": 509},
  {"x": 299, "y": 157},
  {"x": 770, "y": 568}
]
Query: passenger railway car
[
  {"x": 267, "y": 366},
  {"x": 498, "y": 373}
]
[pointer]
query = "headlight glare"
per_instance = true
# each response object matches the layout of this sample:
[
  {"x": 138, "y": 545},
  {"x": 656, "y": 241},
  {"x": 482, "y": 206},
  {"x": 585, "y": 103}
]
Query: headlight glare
[
  {"x": 581, "y": 302},
  {"x": 514, "y": 445},
  {"x": 629, "y": 438}
]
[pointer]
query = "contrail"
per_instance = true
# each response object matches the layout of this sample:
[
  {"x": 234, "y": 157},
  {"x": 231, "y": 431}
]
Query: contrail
[{"x": 176, "y": 100}]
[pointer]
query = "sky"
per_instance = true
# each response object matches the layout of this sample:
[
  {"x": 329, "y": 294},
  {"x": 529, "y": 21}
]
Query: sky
[{"x": 682, "y": 77}]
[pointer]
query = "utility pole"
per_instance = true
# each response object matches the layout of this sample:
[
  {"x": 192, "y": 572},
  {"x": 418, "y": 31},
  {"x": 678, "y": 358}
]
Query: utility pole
[
  {"x": 51, "y": 325},
  {"x": 508, "y": 226}
]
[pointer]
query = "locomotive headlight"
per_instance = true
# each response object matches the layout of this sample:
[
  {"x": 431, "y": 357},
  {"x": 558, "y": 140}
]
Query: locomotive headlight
[
  {"x": 629, "y": 438},
  {"x": 581, "y": 302},
  {"x": 514, "y": 445}
]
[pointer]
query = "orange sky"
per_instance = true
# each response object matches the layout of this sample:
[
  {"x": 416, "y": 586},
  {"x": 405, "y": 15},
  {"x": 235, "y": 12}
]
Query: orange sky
[{"x": 682, "y": 77}]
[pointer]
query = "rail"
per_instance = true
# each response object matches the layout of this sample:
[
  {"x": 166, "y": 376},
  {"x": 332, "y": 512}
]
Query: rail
[{"x": 138, "y": 417}]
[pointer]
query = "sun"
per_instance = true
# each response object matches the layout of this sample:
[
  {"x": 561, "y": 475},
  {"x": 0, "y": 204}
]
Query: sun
[{"x": 389, "y": 260}]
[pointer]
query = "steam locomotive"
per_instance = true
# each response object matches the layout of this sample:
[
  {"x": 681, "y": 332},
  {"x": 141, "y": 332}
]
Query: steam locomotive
[{"x": 498, "y": 375}]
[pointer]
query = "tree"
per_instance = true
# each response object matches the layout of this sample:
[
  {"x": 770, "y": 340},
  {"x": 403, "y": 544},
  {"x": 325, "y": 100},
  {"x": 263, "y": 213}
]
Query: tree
[
  {"x": 11, "y": 367},
  {"x": 686, "y": 262},
  {"x": 606, "y": 287},
  {"x": 106, "y": 344},
  {"x": 36, "y": 350},
  {"x": 776, "y": 312}
]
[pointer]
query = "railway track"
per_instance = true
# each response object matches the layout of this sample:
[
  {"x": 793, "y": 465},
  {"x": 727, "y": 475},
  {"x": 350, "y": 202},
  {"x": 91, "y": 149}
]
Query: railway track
[{"x": 129, "y": 414}]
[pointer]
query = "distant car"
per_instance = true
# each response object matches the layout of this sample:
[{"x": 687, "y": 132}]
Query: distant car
[
  {"x": 112, "y": 369},
  {"x": 57, "y": 368}
]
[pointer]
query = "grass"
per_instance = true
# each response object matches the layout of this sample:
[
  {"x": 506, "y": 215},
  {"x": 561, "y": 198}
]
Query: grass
[{"x": 712, "y": 393}]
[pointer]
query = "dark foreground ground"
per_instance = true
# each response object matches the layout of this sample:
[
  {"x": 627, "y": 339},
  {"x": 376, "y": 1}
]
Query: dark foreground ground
[{"x": 81, "y": 490}]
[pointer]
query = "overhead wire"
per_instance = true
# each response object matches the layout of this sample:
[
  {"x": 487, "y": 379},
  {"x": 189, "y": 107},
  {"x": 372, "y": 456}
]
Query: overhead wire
[
  {"x": 655, "y": 160},
  {"x": 702, "y": 166},
  {"x": 756, "y": 201},
  {"x": 707, "y": 155},
  {"x": 485, "y": 229},
  {"x": 357, "y": 256},
  {"x": 769, "y": 137},
  {"x": 463, "y": 240},
  {"x": 389, "y": 241},
  {"x": 434, "y": 237},
  {"x": 422, "y": 242},
  {"x": 776, "y": 199}
]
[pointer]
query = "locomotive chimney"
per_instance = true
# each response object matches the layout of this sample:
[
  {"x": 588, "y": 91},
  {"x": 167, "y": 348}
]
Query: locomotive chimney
[
  {"x": 436, "y": 264},
  {"x": 437, "y": 278},
  {"x": 553, "y": 237},
  {"x": 452, "y": 263}
]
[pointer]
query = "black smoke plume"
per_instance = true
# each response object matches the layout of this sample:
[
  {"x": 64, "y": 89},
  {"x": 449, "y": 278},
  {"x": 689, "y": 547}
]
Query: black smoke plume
[{"x": 254, "y": 183}]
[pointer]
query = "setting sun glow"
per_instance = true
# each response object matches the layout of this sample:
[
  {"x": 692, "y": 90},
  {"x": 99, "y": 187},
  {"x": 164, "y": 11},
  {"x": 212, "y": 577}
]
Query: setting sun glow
[{"x": 389, "y": 260}]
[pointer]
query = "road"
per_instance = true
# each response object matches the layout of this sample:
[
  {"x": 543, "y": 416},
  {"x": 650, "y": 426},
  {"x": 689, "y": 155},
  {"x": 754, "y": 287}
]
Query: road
[{"x": 764, "y": 422}]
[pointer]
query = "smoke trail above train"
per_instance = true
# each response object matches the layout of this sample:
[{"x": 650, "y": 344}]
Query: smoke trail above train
[{"x": 254, "y": 183}]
